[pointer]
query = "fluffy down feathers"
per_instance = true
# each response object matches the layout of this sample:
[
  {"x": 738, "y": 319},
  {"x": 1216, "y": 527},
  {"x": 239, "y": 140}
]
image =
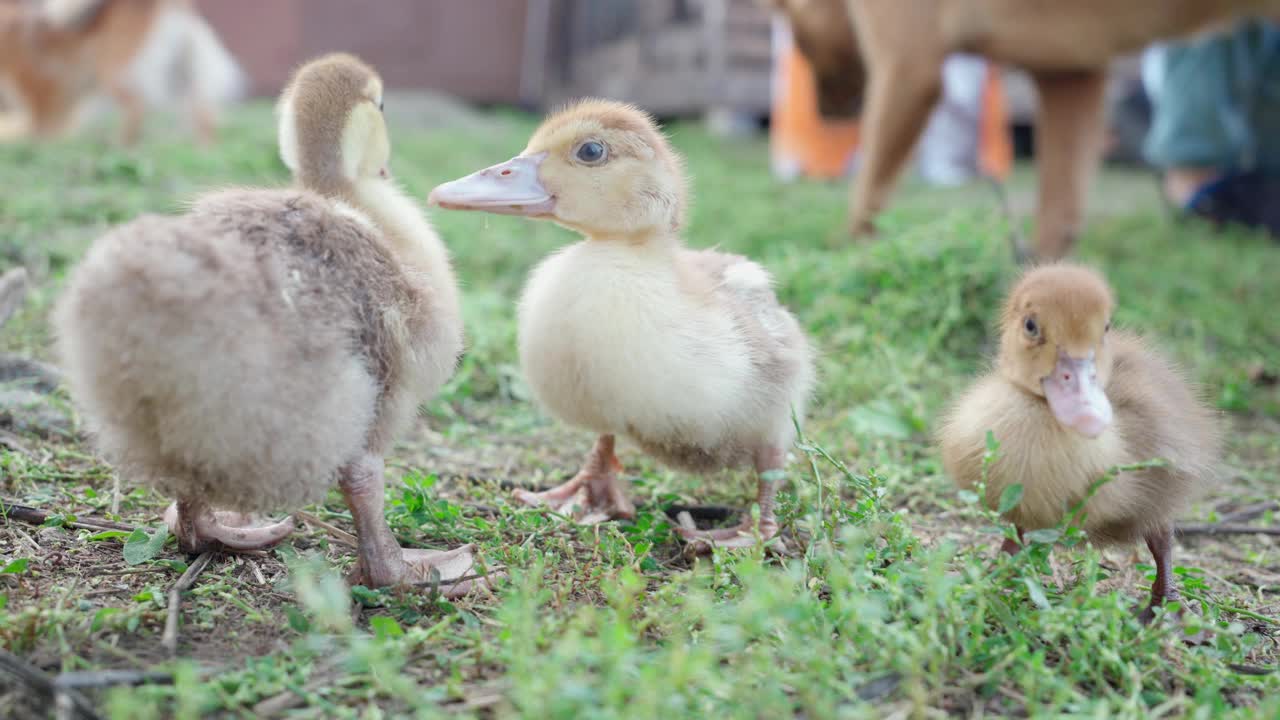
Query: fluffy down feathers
[
  {"x": 687, "y": 353},
  {"x": 1156, "y": 416},
  {"x": 247, "y": 349}
]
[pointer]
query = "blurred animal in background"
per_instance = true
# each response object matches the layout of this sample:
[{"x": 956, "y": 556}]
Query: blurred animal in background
[
  {"x": 888, "y": 68},
  {"x": 967, "y": 135},
  {"x": 58, "y": 55}
]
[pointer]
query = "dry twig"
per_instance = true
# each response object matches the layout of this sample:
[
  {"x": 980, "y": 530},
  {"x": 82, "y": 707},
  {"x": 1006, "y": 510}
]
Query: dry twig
[
  {"x": 336, "y": 532},
  {"x": 35, "y": 516},
  {"x": 111, "y": 678},
  {"x": 47, "y": 688},
  {"x": 170, "y": 638},
  {"x": 1250, "y": 512},
  {"x": 1227, "y": 529}
]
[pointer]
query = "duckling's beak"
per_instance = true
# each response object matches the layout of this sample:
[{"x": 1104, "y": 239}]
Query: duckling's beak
[
  {"x": 1075, "y": 397},
  {"x": 510, "y": 188}
]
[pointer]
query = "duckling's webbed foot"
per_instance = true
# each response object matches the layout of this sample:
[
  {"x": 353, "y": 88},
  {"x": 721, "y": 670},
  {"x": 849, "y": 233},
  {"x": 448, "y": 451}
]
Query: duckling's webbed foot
[
  {"x": 769, "y": 464},
  {"x": 380, "y": 561},
  {"x": 594, "y": 495},
  {"x": 199, "y": 528}
]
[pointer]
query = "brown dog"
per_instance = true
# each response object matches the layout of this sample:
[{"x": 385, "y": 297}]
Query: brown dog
[
  {"x": 55, "y": 55},
  {"x": 894, "y": 57}
]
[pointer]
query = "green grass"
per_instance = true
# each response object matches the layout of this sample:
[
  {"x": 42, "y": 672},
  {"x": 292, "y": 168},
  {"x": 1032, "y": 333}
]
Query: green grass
[{"x": 891, "y": 601}]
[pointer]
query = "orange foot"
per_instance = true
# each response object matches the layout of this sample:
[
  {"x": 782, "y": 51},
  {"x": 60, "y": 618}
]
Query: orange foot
[
  {"x": 592, "y": 496},
  {"x": 453, "y": 571},
  {"x": 742, "y": 535},
  {"x": 769, "y": 462},
  {"x": 199, "y": 528}
]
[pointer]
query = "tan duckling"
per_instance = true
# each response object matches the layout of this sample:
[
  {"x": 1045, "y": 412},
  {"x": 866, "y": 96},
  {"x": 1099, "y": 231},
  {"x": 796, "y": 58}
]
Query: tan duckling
[
  {"x": 268, "y": 343},
  {"x": 1069, "y": 398},
  {"x": 630, "y": 333}
]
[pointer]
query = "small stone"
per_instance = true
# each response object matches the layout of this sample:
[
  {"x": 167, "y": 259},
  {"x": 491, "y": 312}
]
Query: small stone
[
  {"x": 27, "y": 411},
  {"x": 30, "y": 373},
  {"x": 51, "y": 534}
]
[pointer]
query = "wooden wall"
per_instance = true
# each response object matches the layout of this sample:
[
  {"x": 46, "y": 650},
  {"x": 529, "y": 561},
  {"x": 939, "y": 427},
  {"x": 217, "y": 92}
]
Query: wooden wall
[
  {"x": 468, "y": 48},
  {"x": 672, "y": 56}
]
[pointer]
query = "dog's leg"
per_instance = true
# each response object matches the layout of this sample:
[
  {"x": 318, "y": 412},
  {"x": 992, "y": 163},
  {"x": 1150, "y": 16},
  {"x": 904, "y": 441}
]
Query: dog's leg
[
  {"x": 903, "y": 53},
  {"x": 1068, "y": 148},
  {"x": 900, "y": 96}
]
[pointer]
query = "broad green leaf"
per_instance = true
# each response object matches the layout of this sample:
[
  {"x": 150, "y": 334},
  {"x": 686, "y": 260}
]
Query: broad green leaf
[
  {"x": 141, "y": 547},
  {"x": 100, "y": 618},
  {"x": 57, "y": 520},
  {"x": 107, "y": 535},
  {"x": 17, "y": 566},
  {"x": 385, "y": 627},
  {"x": 1010, "y": 498},
  {"x": 880, "y": 418},
  {"x": 1036, "y": 593},
  {"x": 297, "y": 620},
  {"x": 1045, "y": 536}
]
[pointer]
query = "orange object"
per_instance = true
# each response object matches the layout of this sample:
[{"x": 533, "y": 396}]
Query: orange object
[
  {"x": 798, "y": 136},
  {"x": 995, "y": 147},
  {"x": 802, "y": 143}
]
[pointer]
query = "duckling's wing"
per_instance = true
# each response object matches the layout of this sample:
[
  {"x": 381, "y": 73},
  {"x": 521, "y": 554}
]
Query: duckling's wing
[
  {"x": 742, "y": 286},
  {"x": 1160, "y": 415},
  {"x": 773, "y": 337}
]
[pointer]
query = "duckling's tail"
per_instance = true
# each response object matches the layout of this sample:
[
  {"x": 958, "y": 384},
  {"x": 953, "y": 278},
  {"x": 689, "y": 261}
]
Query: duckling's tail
[{"x": 200, "y": 370}]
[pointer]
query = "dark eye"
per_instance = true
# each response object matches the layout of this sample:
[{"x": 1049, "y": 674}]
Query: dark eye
[
  {"x": 1032, "y": 328},
  {"x": 380, "y": 103},
  {"x": 1107, "y": 328},
  {"x": 591, "y": 152}
]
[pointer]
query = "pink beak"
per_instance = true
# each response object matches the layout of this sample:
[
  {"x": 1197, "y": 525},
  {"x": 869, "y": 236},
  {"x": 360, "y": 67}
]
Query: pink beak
[
  {"x": 1075, "y": 397},
  {"x": 509, "y": 188}
]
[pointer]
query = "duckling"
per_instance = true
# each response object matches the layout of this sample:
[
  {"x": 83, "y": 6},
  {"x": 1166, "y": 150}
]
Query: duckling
[
  {"x": 1069, "y": 398},
  {"x": 629, "y": 333},
  {"x": 244, "y": 356}
]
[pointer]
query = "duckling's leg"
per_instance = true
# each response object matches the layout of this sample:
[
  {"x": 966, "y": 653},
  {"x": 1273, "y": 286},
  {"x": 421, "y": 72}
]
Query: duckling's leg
[
  {"x": 592, "y": 496},
  {"x": 380, "y": 559},
  {"x": 199, "y": 528},
  {"x": 1160, "y": 543},
  {"x": 1010, "y": 547},
  {"x": 769, "y": 467}
]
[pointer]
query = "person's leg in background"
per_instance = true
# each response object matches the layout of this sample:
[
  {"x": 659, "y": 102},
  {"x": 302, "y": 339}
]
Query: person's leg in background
[
  {"x": 948, "y": 150},
  {"x": 1215, "y": 128}
]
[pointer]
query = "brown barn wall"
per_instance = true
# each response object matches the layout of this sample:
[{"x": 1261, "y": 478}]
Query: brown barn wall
[{"x": 468, "y": 48}]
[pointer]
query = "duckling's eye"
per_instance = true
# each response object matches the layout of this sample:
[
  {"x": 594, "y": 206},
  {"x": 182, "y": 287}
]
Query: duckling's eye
[
  {"x": 1031, "y": 326},
  {"x": 1107, "y": 329},
  {"x": 380, "y": 106},
  {"x": 591, "y": 152}
]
